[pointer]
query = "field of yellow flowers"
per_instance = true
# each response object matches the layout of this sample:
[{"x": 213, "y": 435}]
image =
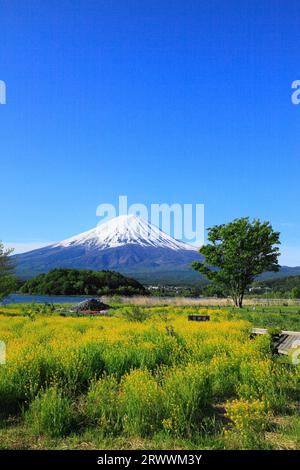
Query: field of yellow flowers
[{"x": 144, "y": 378}]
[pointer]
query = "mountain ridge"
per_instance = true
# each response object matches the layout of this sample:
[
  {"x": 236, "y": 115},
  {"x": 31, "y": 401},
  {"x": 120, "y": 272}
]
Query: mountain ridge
[
  {"x": 125, "y": 230},
  {"x": 127, "y": 244}
]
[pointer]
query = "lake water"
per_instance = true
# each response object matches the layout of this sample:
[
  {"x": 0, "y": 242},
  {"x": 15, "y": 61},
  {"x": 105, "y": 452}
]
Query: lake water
[{"x": 51, "y": 299}]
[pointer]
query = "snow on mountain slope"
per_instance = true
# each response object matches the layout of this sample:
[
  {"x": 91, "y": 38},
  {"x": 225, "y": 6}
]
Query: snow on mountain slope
[
  {"x": 127, "y": 244},
  {"x": 125, "y": 230}
]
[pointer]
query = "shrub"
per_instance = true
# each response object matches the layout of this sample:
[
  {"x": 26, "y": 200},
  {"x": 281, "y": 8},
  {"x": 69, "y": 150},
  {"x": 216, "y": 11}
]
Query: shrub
[
  {"x": 225, "y": 373},
  {"x": 21, "y": 380},
  {"x": 141, "y": 401},
  {"x": 250, "y": 420},
  {"x": 50, "y": 413},
  {"x": 136, "y": 314},
  {"x": 76, "y": 367},
  {"x": 266, "y": 381},
  {"x": 119, "y": 358},
  {"x": 187, "y": 392},
  {"x": 102, "y": 405}
]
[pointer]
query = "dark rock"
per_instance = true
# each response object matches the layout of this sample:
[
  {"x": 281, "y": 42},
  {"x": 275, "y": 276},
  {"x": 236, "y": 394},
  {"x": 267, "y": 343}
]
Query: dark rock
[{"x": 94, "y": 305}]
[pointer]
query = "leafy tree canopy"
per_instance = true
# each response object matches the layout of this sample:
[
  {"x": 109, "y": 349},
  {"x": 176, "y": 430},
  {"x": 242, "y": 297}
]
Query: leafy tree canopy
[
  {"x": 237, "y": 252},
  {"x": 7, "y": 277}
]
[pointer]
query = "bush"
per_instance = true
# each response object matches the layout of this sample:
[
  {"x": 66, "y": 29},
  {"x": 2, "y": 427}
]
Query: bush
[
  {"x": 77, "y": 366},
  {"x": 21, "y": 380},
  {"x": 119, "y": 358},
  {"x": 225, "y": 373},
  {"x": 266, "y": 381},
  {"x": 250, "y": 420},
  {"x": 102, "y": 405},
  {"x": 136, "y": 314},
  {"x": 50, "y": 413},
  {"x": 187, "y": 392},
  {"x": 141, "y": 402}
]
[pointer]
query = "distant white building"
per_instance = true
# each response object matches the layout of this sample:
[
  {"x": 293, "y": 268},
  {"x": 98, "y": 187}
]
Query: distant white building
[{"x": 259, "y": 290}]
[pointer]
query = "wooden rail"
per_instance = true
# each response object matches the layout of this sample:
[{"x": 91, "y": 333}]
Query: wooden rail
[{"x": 287, "y": 340}]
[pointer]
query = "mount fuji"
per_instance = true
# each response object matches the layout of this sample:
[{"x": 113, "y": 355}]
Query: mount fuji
[{"x": 127, "y": 244}]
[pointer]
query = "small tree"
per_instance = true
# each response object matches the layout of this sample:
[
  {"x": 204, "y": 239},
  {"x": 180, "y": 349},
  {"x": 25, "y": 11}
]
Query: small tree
[
  {"x": 237, "y": 253},
  {"x": 7, "y": 277},
  {"x": 295, "y": 293}
]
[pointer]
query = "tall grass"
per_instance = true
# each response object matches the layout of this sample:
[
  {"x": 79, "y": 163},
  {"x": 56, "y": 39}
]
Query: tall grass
[
  {"x": 187, "y": 395},
  {"x": 141, "y": 402},
  {"x": 101, "y": 406},
  {"x": 50, "y": 413}
]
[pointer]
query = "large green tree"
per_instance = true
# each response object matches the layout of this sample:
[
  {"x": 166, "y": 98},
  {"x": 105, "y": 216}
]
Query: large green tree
[
  {"x": 237, "y": 252},
  {"x": 7, "y": 276}
]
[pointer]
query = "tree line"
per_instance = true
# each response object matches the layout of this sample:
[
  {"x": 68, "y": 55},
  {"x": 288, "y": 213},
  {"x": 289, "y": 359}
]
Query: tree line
[{"x": 82, "y": 282}]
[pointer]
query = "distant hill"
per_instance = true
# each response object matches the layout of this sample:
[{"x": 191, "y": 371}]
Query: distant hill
[
  {"x": 281, "y": 284},
  {"x": 82, "y": 282},
  {"x": 284, "y": 271}
]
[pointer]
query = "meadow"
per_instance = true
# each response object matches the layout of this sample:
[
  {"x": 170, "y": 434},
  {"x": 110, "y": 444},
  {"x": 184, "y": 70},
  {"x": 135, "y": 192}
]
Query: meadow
[{"x": 147, "y": 378}]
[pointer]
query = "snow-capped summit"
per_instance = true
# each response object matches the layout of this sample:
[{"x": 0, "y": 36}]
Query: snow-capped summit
[
  {"x": 127, "y": 244},
  {"x": 125, "y": 230}
]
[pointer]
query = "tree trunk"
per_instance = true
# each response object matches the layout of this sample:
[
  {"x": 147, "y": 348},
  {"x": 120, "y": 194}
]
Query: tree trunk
[{"x": 238, "y": 300}]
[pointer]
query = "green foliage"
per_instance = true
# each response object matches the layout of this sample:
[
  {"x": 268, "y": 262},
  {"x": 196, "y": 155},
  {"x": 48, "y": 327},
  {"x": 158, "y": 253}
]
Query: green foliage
[
  {"x": 187, "y": 392},
  {"x": 141, "y": 402},
  {"x": 273, "y": 318},
  {"x": 51, "y": 413},
  {"x": 250, "y": 419},
  {"x": 263, "y": 380},
  {"x": 135, "y": 314},
  {"x": 287, "y": 287},
  {"x": 82, "y": 282},
  {"x": 102, "y": 405},
  {"x": 177, "y": 291},
  {"x": 295, "y": 293},
  {"x": 237, "y": 253},
  {"x": 225, "y": 375},
  {"x": 7, "y": 278}
]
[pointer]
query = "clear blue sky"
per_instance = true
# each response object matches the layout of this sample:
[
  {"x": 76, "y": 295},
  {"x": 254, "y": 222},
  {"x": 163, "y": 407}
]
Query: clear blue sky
[{"x": 164, "y": 101}]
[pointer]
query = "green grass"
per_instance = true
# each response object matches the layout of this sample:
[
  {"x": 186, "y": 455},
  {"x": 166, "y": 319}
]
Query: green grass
[{"x": 285, "y": 318}]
